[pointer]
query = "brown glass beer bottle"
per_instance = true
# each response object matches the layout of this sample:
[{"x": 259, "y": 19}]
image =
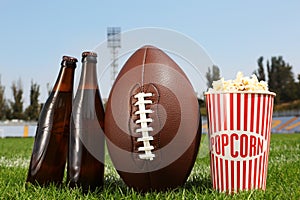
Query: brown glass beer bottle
[
  {"x": 86, "y": 146},
  {"x": 50, "y": 148}
]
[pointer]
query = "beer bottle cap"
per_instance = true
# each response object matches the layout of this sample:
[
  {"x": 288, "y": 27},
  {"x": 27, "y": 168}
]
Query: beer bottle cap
[
  {"x": 69, "y": 59},
  {"x": 89, "y": 53},
  {"x": 89, "y": 56}
]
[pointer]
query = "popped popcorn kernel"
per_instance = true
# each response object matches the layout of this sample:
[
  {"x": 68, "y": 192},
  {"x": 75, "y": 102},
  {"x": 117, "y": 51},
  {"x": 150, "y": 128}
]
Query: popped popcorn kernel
[{"x": 240, "y": 84}]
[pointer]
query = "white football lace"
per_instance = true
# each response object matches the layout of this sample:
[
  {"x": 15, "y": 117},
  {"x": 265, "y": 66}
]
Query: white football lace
[{"x": 145, "y": 129}]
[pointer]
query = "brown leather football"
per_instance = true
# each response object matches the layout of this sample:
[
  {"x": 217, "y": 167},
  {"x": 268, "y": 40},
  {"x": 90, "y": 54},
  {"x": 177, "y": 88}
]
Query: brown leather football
[{"x": 152, "y": 122}]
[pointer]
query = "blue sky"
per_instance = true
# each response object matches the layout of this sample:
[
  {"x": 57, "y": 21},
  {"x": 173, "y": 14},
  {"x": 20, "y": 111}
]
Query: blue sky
[{"x": 36, "y": 34}]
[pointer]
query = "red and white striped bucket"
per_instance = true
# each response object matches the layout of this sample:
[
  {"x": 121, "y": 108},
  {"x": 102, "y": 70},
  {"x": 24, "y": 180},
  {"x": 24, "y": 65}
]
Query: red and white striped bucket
[{"x": 239, "y": 133}]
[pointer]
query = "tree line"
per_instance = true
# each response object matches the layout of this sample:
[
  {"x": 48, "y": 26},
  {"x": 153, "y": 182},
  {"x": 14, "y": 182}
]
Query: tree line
[
  {"x": 275, "y": 71},
  {"x": 13, "y": 109}
]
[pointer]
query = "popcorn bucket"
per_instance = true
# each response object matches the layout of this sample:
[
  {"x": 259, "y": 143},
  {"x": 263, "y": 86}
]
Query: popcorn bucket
[{"x": 239, "y": 138}]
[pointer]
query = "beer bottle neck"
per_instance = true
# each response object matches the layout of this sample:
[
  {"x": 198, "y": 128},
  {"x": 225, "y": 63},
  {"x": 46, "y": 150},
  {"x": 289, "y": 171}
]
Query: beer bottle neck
[
  {"x": 88, "y": 79},
  {"x": 65, "y": 79}
]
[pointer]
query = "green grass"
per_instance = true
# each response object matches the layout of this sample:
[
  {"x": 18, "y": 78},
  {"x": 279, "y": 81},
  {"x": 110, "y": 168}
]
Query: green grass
[{"x": 283, "y": 176}]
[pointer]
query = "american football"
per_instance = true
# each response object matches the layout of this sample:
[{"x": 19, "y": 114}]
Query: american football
[{"x": 152, "y": 122}]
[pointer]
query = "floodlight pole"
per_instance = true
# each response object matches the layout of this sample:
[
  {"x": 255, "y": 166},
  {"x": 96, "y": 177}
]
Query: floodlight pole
[{"x": 114, "y": 42}]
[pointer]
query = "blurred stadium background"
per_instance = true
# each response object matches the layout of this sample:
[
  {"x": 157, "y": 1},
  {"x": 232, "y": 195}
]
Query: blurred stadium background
[{"x": 283, "y": 122}]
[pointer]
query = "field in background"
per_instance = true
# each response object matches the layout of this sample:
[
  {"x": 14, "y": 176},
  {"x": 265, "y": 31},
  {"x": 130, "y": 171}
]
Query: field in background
[
  {"x": 283, "y": 176},
  {"x": 283, "y": 124}
]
